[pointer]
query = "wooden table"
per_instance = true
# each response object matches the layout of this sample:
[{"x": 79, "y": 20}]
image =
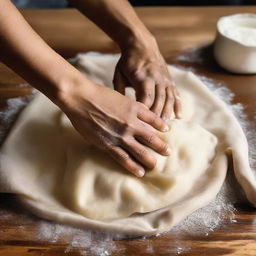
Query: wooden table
[{"x": 184, "y": 36}]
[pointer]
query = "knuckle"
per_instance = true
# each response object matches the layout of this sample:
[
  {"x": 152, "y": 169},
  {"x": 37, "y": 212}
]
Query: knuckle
[
  {"x": 151, "y": 163},
  {"x": 141, "y": 106},
  {"x": 155, "y": 120},
  {"x": 150, "y": 139},
  {"x": 149, "y": 95},
  {"x": 154, "y": 75},
  {"x": 124, "y": 140},
  {"x": 163, "y": 147},
  {"x": 173, "y": 85},
  {"x": 177, "y": 95},
  {"x": 132, "y": 110},
  {"x": 166, "y": 112},
  {"x": 103, "y": 142},
  {"x": 141, "y": 153},
  {"x": 147, "y": 84},
  {"x": 177, "y": 92},
  {"x": 171, "y": 96},
  {"x": 137, "y": 74},
  {"x": 158, "y": 110},
  {"x": 128, "y": 127},
  {"x": 127, "y": 122},
  {"x": 162, "y": 96},
  {"x": 170, "y": 87},
  {"x": 178, "y": 100},
  {"x": 112, "y": 152},
  {"x": 167, "y": 80},
  {"x": 124, "y": 157}
]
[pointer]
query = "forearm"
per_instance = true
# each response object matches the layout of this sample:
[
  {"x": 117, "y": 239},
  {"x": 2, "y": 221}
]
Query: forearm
[
  {"x": 118, "y": 19},
  {"x": 28, "y": 55}
]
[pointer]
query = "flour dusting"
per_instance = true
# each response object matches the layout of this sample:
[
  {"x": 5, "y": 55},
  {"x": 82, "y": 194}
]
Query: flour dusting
[{"x": 219, "y": 212}]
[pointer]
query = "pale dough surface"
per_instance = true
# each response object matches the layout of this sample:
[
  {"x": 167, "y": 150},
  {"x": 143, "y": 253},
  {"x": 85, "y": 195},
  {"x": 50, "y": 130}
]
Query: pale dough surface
[{"x": 58, "y": 176}]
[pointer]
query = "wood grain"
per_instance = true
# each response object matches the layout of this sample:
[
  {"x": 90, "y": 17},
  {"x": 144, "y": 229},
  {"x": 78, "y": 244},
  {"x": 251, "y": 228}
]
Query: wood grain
[{"x": 184, "y": 36}]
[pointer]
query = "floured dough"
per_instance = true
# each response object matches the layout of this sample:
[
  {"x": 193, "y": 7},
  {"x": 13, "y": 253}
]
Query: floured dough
[
  {"x": 101, "y": 189},
  {"x": 58, "y": 176}
]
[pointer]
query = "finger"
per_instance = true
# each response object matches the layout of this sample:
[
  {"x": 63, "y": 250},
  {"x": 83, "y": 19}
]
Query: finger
[
  {"x": 118, "y": 82},
  {"x": 153, "y": 141},
  {"x": 140, "y": 153},
  {"x": 124, "y": 160},
  {"x": 177, "y": 104},
  {"x": 152, "y": 119},
  {"x": 159, "y": 100},
  {"x": 145, "y": 92},
  {"x": 169, "y": 105}
]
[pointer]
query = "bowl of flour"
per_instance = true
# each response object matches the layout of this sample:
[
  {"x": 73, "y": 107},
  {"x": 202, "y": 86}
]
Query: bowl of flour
[{"x": 235, "y": 43}]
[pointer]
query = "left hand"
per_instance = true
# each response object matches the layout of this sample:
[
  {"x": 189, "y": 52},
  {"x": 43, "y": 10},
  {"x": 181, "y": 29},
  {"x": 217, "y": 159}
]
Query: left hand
[{"x": 142, "y": 67}]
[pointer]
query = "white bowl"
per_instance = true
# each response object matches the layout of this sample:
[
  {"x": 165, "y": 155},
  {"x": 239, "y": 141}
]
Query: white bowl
[{"x": 235, "y": 43}]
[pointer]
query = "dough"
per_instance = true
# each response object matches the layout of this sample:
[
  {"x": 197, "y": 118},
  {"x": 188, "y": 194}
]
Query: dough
[
  {"x": 235, "y": 43},
  {"x": 98, "y": 188},
  {"x": 58, "y": 176}
]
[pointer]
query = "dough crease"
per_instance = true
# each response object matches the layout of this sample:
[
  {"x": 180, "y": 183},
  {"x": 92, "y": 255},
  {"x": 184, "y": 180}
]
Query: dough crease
[{"x": 58, "y": 176}]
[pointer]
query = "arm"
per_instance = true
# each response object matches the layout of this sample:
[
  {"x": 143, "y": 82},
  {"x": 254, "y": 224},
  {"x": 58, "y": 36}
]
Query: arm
[
  {"x": 103, "y": 124},
  {"x": 141, "y": 65}
]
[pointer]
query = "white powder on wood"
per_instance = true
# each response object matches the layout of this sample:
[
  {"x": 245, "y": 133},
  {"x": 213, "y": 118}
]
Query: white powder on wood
[{"x": 202, "y": 222}]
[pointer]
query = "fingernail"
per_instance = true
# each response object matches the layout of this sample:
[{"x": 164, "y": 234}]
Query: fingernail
[
  {"x": 140, "y": 173},
  {"x": 168, "y": 150},
  {"x": 165, "y": 118},
  {"x": 179, "y": 115},
  {"x": 166, "y": 128},
  {"x": 172, "y": 116}
]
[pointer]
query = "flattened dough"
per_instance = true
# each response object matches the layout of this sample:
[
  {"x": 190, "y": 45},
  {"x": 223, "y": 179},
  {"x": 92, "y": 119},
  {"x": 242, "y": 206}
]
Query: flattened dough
[
  {"x": 58, "y": 176},
  {"x": 102, "y": 190}
]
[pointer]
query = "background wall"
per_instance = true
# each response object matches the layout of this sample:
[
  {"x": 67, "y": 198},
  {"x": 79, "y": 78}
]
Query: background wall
[{"x": 64, "y": 3}]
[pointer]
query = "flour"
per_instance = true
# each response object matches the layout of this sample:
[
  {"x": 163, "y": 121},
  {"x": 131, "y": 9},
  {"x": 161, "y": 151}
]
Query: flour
[
  {"x": 240, "y": 28},
  {"x": 202, "y": 222},
  {"x": 234, "y": 47},
  {"x": 243, "y": 35}
]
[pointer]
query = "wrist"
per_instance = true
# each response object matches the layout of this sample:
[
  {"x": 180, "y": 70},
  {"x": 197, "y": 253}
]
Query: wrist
[
  {"x": 138, "y": 38},
  {"x": 72, "y": 89}
]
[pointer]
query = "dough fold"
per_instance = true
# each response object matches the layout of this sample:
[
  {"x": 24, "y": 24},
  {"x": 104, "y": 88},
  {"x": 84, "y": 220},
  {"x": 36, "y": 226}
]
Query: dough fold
[{"x": 60, "y": 177}]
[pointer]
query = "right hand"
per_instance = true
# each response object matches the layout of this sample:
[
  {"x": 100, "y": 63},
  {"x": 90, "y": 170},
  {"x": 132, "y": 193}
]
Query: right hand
[{"x": 116, "y": 124}]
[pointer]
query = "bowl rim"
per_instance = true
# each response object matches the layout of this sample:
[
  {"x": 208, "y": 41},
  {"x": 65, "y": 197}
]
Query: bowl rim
[{"x": 220, "y": 20}]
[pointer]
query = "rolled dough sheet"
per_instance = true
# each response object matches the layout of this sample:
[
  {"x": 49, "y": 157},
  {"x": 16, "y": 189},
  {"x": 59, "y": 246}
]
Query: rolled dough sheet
[{"x": 60, "y": 177}]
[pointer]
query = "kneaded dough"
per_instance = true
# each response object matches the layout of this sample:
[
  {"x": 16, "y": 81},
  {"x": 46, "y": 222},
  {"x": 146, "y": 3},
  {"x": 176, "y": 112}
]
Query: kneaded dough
[
  {"x": 102, "y": 189},
  {"x": 59, "y": 176}
]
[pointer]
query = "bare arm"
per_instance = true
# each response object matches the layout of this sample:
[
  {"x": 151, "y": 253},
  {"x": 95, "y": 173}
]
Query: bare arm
[
  {"x": 141, "y": 65},
  {"x": 105, "y": 125},
  {"x": 22, "y": 49},
  {"x": 117, "y": 18}
]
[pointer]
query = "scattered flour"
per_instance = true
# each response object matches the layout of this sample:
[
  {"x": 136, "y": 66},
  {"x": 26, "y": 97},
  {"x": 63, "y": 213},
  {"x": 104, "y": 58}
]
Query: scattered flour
[
  {"x": 202, "y": 222},
  {"x": 192, "y": 55}
]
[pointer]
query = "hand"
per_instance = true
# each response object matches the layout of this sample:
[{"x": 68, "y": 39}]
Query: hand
[
  {"x": 115, "y": 123},
  {"x": 143, "y": 68}
]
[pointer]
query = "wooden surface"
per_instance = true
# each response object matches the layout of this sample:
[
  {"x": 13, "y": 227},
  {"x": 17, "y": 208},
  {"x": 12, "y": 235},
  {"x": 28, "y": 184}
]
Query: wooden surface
[{"x": 184, "y": 36}]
